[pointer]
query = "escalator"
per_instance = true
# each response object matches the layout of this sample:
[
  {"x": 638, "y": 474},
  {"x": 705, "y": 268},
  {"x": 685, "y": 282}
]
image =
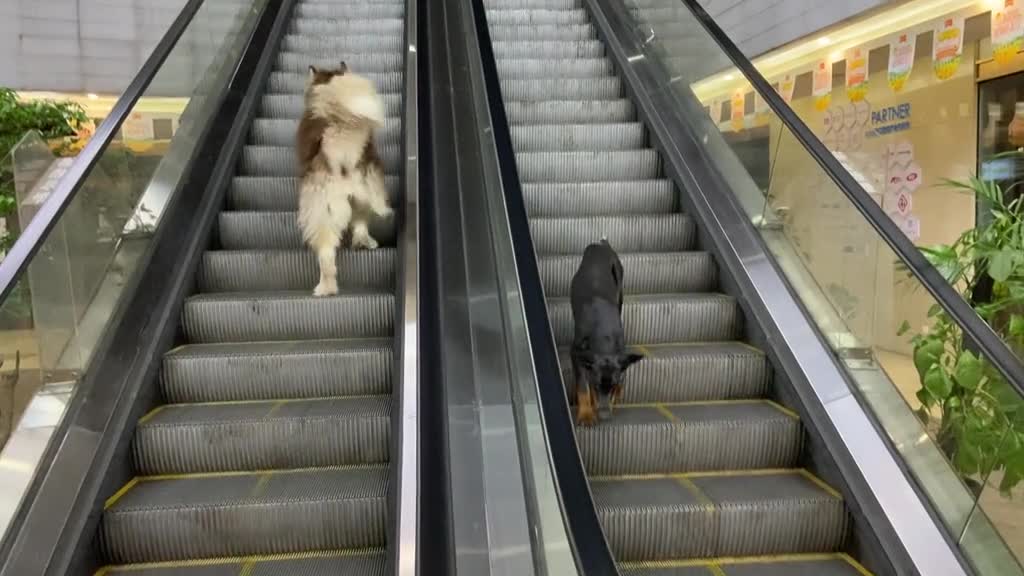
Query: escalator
[
  {"x": 702, "y": 467},
  {"x": 271, "y": 449}
]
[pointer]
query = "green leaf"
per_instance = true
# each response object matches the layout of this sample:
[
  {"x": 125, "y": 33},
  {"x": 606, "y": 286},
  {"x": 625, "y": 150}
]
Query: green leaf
[
  {"x": 969, "y": 371},
  {"x": 927, "y": 354},
  {"x": 1000, "y": 267},
  {"x": 903, "y": 329},
  {"x": 934, "y": 311},
  {"x": 1010, "y": 480},
  {"x": 1017, "y": 325},
  {"x": 925, "y": 397},
  {"x": 967, "y": 458},
  {"x": 938, "y": 383}
]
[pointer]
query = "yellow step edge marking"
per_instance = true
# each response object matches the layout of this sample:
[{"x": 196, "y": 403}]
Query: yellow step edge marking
[
  {"x": 740, "y": 560},
  {"x": 247, "y": 567},
  {"x": 783, "y": 409},
  {"x": 716, "y": 570},
  {"x": 149, "y": 415},
  {"x": 641, "y": 348},
  {"x": 260, "y": 486},
  {"x": 230, "y": 473},
  {"x": 697, "y": 493},
  {"x": 121, "y": 492},
  {"x": 275, "y": 409},
  {"x": 725, "y": 474},
  {"x": 254, "y": 559},
  {"x": 821, "y": 484},
  {"x": 735, "y": 401},
  {"x": 855, "y": 565},
  {"x": 278, "y": 402},
  {"x": 661, "y": 409}
]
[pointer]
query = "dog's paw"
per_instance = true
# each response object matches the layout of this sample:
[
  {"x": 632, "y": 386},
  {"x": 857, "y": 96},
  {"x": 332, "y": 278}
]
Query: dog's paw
[
  {"x": 368, "y": 242},
  {"x": 585, "y": 415},
  {"x": 325, "y": 289},
  {"x": 385, "y": 211}
]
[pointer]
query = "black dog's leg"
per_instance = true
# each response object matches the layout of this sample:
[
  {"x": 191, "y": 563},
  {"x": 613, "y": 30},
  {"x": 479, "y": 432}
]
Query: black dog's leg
[{"x": 586, "y": 415}]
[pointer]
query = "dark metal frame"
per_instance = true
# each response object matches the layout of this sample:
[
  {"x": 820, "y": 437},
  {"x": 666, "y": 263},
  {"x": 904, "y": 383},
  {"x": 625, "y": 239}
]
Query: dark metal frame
[
  {"x": 976, "y": 329},
  {"x": 87, "y": 459}
]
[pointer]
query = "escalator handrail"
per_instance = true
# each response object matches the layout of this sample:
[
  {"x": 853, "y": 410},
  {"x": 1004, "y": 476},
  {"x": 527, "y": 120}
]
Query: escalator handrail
[
  {"x": 990, "y": 344},
  {"x": 38, "y": 228},
  {"x": 590, "y": 548}
]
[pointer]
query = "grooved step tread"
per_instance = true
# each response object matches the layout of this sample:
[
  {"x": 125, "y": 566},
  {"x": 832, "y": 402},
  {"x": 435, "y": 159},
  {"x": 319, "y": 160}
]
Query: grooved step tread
[
  {"x": 292, "y": 106},
  {"x": 329, "y": 563},
  {"x": 279, "y": 193},
  {"x": 270, "y": 270},
  {"x": 266, "y": 230},
  {"x": 528, "y": 113},
  {"x": 593, "y": 199},
  {"x": 783, "y": 565},
  {"x": 644, "y": 273},
  {"x": 295, "y": 82},
  {"x": 631, "y": 233},
  {"x": 748, "y": 513}
]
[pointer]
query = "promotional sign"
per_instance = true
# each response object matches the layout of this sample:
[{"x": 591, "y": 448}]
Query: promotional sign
[
  {"x": 737, "y": 110},
  {"x": 903, "y": 177},
  {"x": 716, "y": 111},
  {"x": 822, "y": 85},
  {"x": 786, "y": 86},
  {"x": 1007, "y": 31},
  {"x": 856, "y": 74},
  {"x": 947, "y": 47},
  {"x": 901, "y": 61}
]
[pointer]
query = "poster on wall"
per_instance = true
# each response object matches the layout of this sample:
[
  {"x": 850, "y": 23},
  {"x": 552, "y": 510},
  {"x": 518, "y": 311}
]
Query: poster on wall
[
  {"x": 901, "y": 61},
  {"x": 737, "y": 110},
  {"x": 947, "y": 47},
  {"x": 856, "y": 74},
  {"x": 1007, "y": 31},
  {"x": 822, "y": 85},
  {"x": 716, "y": 111},
  {"x": 786, "y": 87},
  {"x": 902, "y": 178}
]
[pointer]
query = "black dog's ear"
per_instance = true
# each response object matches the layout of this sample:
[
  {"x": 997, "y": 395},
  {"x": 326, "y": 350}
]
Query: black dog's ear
[{"x": 628, "y": 359}]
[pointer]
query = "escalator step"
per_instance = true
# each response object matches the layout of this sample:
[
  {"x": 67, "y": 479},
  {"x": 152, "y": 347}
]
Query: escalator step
[
  {"x": 719, "y": 515},
  {"x": 643, "y": 233},
  {"x": 279, "y": 194},
  {"x": 530, "y": 16},
  {"x": 690, "y": 373},
  {"x": 662, "y": 318},
  {"x": 375, "y": 10},
  {"x": 258, "y": 270},
  {"x": 589, "y": 166},
  {"x": 263, "y": 435},
  {"x": 650, "y": 273},
  {"x": 512, "y": 70},
  {"x": 295, "y": 82},
  {"x": 343, "y": 44},
  {"x": 280, "y": 160},
  {"x": 280, "y": 231},
  {"x": 281, "y": 132},
  {"x": 533, "y": 4},
  {"x": 566, "y": 138},
  {"x": 547, "y": 89},
  {"x": 225, "y": 515},
  {"x": 543, "y": 32},
  {"x": 338, "y": 26},
  {"x": 360, "y": 62},
  {"x": 549, "y": 49},
  {"x": 286, "y": 316},
  {"x": 276, "y": 370},
  {"x": 570, "y": 111},
  {"x": 787, "y": 565},
  {"x": 291, "y": 106},
  {"x": 661, "y": 438},
  {"x": 582, "y": 199},
  {"x": 343, "y": 563}
]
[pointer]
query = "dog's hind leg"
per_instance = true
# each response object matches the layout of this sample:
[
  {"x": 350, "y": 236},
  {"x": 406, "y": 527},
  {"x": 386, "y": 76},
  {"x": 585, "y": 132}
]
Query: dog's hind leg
[
  {"x": 325, "y": 244},
  {"x": 361, "y": 236},
  {"x": 585, "y": 413}
]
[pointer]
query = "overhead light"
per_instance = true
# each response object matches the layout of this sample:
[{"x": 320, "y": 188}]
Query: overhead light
[
  {"x": 824, "y": 41},
  {"x": 729, "y": 76},
  {"x": 92, "y": 96}
]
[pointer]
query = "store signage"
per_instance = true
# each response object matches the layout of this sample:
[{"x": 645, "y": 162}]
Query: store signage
[
  {"x": 822, "y": 85},
  {"x": 856, "y": 74},
  {"x": 901, "y": 60},
  {"x": 947, "y": 47},
  {"x": 890, "y": 119},
  {"x": 1007, "y": 31}
]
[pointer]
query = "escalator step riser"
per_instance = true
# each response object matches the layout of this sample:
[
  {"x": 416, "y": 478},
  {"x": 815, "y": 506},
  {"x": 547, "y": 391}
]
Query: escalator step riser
[
  {"x": 291, "y": 107},
  {"x": 511, "y": 70},
  {"x": 533, "y": 4},
  {"x": 280, "y": 231},
  {"x": 642, "y": 273},
  {"x": 575, "y": 89},
  {"x": 353, "y": 11},
  {"x": 674, "y": 233},
  {"x": 339, "y": 26},
  {"x": 295, "y": 82},
  {"x": 664, "y": 448},
  {"x": 569, "y": 138},
  {"x": 599, "y": 198},
  {"x": 543, "y": 32},
  {"x": 281, "y": 161},
  {"x": 280, "y": 194},
  {"x": 289, "y": 371},
  {"x": 268, "y": 270},
  {"x": 572, "y": 112},
  {"x": 578, "y": 49},
  {"x": 262, "y": 442},
  {"x": 711, "y": 318},
  {"x": 341, "y": 563},
  {"x": 732, "y": 374},
  {"x": 343, "y": 44},
  {"x": 281, "y": 132},
  {"x": 601, "y": 166},
  {"x": 284, "y": 318},
  {"x": 358, "y": 63},
  {"x": 316, "y": 511},
  {"x": 535, "y": 16}
]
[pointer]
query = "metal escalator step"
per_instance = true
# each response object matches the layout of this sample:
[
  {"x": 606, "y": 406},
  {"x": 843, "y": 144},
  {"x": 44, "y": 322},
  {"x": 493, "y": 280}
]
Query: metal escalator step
[
  {"x": 280, "y": 160},
  {"x": 281, "y": 132},
  {"x": 698, "y": 516},
  {"x": 581, "y": 199},
  {"x": 292, "y": 106},
  {"x": 548, "y": 49},
  {"x": 666, "y": 438},
  {"x": 534, "y": 90},
  {"x": 353, "y": 11},
  {"x": 571, "y": 111},
  {"x": 259, "y": 270},
  {"x": 276, "y": 370},
  {"x": 337, "y": 26},
  {"x": 528, "y": 16},
  {"x": 262, "y": 317},
  {"x": 279, "y": 194},
  {"x": 263, "y": 435},
  {"x": 644, "y": 273},
  {"x": 662, "y": 318},
  {"x": 503, "y": 32},
  {"x": 569, "y": 138},
  {"x": 280, "y": 231},
  {"x": 690, "y": 373},
  {"x": 518, "y": 69},
  {"x": 644, "y": 233},
  {"x": 533, "y": 4},
  {"x": 343, "y": 44},
  {"x": 295, "y": 82},
  {"x": 224, "y": 515},
  {"x": 588, "y": 166},
  {"x": 339, "y": 563},
  {"x": 358, "y": 63}
]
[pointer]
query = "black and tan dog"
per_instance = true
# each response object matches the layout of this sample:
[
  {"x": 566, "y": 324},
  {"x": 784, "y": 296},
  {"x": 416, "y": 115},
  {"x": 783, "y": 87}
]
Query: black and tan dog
[{"x": 599, "y": 355}]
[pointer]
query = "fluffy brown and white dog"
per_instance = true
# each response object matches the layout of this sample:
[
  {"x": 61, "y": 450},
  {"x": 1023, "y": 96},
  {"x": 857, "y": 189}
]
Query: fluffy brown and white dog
[{"x": 342, "y": 179}]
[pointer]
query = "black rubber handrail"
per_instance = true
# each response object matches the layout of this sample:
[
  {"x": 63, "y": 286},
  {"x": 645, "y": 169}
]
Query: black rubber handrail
[
  {"x": 37, "y": 229},
  {"x": 593, "y": 556},
  {"x": 990, "y": 344}
]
